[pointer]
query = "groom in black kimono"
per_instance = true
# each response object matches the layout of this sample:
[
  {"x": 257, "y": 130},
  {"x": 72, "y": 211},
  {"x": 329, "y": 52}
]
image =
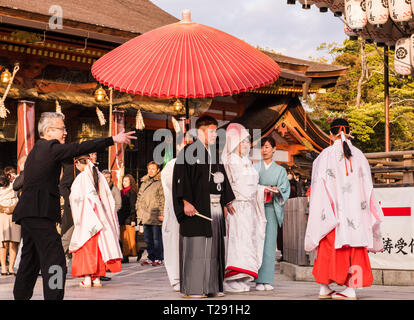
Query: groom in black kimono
[{"x": 200, "y": 186}]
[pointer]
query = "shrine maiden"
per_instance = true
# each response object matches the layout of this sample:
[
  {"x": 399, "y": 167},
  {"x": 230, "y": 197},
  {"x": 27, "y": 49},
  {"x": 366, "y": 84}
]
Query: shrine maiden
[
  {"x": 95, "y": 239},
  {"x": 344, "y": 217}
]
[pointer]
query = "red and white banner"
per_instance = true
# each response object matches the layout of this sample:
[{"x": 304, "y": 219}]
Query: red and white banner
[
  {"x": 25, "y": 128},
  {"x": 397, "y": 229}
]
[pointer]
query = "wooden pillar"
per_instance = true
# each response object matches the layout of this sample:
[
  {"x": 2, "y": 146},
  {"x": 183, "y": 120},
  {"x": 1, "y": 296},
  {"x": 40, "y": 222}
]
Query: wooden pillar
[
  {"x": 25, "y": 128},
  {"x": 408, "y": 177},
  {"x": 116, "y": 152},
  {"x": 386, "y": 100}
]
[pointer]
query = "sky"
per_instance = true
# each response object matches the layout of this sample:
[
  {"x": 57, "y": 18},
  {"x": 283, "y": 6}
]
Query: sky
[{"x": 270, "y": 24}]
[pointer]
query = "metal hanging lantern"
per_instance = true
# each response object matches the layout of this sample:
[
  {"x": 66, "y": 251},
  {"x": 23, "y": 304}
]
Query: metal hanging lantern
[
  {"x": 178, "y": 106},
  {"x": 377, "y": 12},
  {"x": 100, "y": 95},
  {"x": 5, "y": 76}
]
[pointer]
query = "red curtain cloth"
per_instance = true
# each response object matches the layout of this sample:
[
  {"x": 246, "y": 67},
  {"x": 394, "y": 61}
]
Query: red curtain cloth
[
  {"x": 333, "y": 265},
  {"x": 88, "y": 261}
]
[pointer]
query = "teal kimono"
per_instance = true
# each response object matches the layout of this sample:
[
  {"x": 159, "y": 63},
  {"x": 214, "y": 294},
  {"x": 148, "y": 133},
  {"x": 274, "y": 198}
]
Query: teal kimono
[{"x": 275, "y": 176}]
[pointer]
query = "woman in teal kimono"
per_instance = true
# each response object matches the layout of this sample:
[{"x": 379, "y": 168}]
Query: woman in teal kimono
[{"x": 272, "y": 175}]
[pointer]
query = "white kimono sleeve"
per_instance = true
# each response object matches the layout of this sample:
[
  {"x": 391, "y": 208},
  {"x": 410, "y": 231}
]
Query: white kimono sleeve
[{"x": 322, "y": 218}]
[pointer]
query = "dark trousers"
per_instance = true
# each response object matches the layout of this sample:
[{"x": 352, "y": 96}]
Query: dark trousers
[
  {"x": 42, "y": 250},
  {"x": 153, "y": 239}
]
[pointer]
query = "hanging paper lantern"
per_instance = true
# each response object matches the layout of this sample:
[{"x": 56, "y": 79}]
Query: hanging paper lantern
[
  {"x": 351, "y": 34},
  {"x": 323, "y": 5},
  {"x": 337, "y": 7},
  {"x": 412, "y": 51},
  {"x": 306, "y": 4},
  {"x": 355, "y": 15},
  {"x": 400, "y": 10},
  {"x": 377, "y": 12},
  {"x": 402, "y": 57}
]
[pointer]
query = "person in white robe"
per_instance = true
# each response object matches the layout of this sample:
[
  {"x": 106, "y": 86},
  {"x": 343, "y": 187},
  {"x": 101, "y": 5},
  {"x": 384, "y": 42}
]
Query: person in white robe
[
  {"x": 344, "y": 217},
  {"x": 170, "y": 228},
  {"x": 245, "y": 229},
  {"x": 95, "y": 240}
]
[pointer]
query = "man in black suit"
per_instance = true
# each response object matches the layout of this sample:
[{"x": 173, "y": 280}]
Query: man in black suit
[{"x": 38, "y": 209}]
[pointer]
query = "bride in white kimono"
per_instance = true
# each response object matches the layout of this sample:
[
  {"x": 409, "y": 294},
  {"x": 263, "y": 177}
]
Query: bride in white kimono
[{"x": 245, "y": 230}]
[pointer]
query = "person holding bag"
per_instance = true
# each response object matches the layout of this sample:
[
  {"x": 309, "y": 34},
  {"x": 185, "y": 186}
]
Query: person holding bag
[
  {"x": 127, "y": 217},
  {"x": 10, "y": 232}
]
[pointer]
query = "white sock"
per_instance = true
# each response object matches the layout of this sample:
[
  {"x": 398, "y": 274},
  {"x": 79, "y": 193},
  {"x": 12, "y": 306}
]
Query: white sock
[
  {"x": 97, "y": 281},
  {"x": 324, "y": 290},
  {"x": 349, "y": 292},
  {"x": 245, "y": 285},
  {"x": 268, "y": 286},
  {"x": 87, "y": 280}
]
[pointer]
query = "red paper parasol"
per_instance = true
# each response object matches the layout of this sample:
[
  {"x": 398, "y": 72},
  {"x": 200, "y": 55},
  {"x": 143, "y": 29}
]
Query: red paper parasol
[{"x": 185, "y": 60}]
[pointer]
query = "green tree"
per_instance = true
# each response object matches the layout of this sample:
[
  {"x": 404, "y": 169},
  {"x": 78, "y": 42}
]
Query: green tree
[{"x": 359, "y": 96}]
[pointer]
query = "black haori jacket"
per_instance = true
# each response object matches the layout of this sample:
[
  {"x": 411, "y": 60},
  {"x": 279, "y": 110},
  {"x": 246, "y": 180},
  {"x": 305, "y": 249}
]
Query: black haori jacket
[
  {"x": 40, "y": 194},
  {"x": 191, "y": 182}
]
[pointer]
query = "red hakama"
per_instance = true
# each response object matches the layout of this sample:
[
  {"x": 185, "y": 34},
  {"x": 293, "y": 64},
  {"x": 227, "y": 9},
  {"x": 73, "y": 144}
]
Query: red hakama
[
  {"x": 333, "y": 265},
  {"x": 88, "y": 261}
]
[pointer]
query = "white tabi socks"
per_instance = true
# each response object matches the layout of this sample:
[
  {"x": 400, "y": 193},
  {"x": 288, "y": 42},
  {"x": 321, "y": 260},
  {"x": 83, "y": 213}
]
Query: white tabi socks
[{"x": 324, "y": 290}]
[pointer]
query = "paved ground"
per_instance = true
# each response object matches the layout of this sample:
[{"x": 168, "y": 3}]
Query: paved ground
[{"x": 137, "y": 282}]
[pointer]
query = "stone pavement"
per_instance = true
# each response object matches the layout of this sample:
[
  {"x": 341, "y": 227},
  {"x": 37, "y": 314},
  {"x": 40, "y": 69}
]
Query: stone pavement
[{"x": 137, "y": 282}]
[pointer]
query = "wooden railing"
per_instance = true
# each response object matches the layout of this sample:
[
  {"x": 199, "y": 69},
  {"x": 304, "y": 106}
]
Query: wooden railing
[{"x": 392, "y": 169}]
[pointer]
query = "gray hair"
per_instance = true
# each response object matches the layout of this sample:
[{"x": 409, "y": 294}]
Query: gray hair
[{"x": 45, "y": 120}]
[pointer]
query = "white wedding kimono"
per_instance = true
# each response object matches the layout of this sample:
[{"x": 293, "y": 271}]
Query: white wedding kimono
[
  {"x": 170, "y": 227},
  {"x": 344, "y": 202},
  {"x": 245, "y": 230},
  {"x": 93, "y": 213}
]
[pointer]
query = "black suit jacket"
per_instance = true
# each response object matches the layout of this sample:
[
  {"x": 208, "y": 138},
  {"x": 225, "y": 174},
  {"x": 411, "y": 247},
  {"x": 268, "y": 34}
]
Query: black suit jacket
[{"x": 40, "y": 194}]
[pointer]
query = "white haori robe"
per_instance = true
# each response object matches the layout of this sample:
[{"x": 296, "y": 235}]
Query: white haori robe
[
  {"x": 170, "y": 227},
  {"x": 245, "y": 230},
  {"x": 93, "y": 213},
  {"x": 344, "y": 202}
]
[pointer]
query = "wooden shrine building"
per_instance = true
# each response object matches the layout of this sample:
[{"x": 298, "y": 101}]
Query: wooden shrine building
[{"x": 54, "y": 74}]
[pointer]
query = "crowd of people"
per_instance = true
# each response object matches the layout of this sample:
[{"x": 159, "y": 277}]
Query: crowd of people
[{"x": 215, "y": 225}]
